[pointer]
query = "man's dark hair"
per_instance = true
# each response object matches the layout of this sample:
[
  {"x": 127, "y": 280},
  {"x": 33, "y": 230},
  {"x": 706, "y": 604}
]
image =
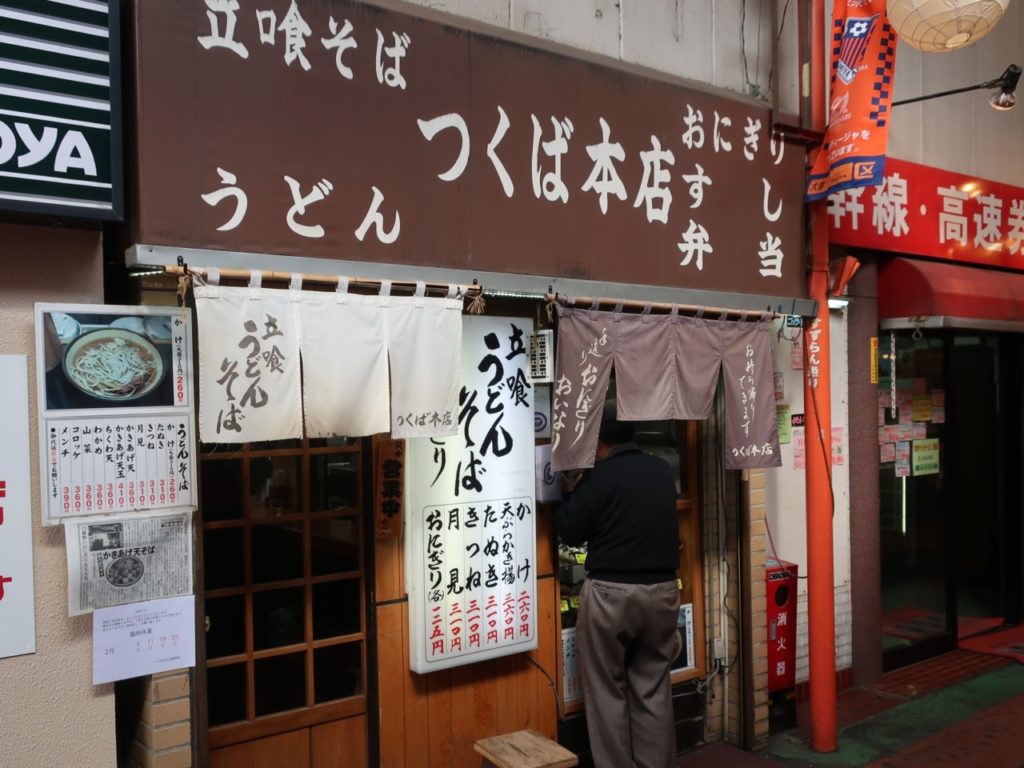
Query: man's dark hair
[{"x": 613, "y": 431}]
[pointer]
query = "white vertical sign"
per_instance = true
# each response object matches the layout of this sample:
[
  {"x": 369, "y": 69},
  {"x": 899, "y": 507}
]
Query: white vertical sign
[
  {"x": 471, "y": 537},
  {"x": 17, "y": 613}
]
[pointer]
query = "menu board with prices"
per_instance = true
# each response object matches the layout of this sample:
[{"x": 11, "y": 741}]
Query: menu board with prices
[
  {"x": 115, "y": 409},
  {"x": 471, "y": 525},
  {"x": 121, "y": 464}
]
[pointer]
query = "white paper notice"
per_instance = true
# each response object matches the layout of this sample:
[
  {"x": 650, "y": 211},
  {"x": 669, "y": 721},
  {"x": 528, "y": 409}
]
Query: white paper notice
[
  {"x": 17, "y": 612},
  {"x": 838, "y": 454},
  {"x": 143, "y": 638}
]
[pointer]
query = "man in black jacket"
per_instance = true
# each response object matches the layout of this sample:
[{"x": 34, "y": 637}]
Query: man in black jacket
[{"x": 625, "y": 510}]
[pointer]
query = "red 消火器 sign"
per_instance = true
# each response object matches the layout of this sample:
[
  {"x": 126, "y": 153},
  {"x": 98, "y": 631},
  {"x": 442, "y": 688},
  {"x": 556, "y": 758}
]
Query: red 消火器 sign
[
  {"x": 781, "y": 578},
  {"x": 926, "y": 211}
]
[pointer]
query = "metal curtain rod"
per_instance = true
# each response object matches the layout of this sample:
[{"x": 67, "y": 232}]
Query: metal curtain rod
[
  {"x": 583, "y": 302},
  {"x": 332, "y": 280}
]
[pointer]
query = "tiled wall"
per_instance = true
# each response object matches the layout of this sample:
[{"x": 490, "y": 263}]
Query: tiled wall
[
  {"x": 844, "y": 632},
  {"x": 757, "y": 553},
  {"x": 163, "y": 736}
]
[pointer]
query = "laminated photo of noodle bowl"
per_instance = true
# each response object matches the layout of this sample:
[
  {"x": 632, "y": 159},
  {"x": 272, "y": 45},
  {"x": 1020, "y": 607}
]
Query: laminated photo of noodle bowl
[{"x": 113, "y": 364}]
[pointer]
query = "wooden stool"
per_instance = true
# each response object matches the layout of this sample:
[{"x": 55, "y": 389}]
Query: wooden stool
[{"x": 524, "y": 749}]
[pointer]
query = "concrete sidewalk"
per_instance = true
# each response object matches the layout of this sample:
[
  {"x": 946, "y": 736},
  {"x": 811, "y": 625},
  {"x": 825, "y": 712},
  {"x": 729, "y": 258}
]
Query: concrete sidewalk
[{"x": 917, "y": 716}]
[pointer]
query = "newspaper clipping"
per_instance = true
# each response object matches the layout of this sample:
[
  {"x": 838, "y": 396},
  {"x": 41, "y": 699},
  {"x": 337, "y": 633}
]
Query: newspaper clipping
[{"x": 127, "y": 559}]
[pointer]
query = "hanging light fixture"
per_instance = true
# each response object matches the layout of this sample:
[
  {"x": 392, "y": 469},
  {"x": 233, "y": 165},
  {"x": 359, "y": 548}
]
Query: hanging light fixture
[
  {"x": 1003, "y": 100},
  {"x": 944, "y": 25},
  {"x": 1006, "y": 98}
]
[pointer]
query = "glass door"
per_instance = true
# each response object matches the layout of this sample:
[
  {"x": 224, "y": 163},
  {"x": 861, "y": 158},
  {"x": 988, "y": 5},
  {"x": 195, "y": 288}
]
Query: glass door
[
  {"x": 917, "y": 597},
  {"x": 950, "y": 490},
  {"x": 984, "y": 437}
]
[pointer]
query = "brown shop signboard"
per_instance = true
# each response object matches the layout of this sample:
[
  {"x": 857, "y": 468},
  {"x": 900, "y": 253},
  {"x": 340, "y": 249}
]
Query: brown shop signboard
[
  {"x": 389, "y": 486},
  {"x": 345, "y": 131}
]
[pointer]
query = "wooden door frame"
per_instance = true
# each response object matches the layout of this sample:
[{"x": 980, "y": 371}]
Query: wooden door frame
[{"x": 306, "y": 717}]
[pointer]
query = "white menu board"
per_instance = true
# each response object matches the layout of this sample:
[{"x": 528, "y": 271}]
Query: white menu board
[
  {"x": 17, "y": 612},
  {"x": 471, "y": 537},
  {"x": 115, "y": 409}
]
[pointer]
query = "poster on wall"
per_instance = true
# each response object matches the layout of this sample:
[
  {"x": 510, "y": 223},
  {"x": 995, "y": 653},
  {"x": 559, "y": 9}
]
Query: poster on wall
[
  {"x": 799, "y": 448},
  {"x": 118, "y": 559},
  {"x": 925, "y": 457},
  {"x": 785, "y": 425},
  {"x": 17, "y": 604},
  {"x": 471, "y": 527},
  {"x": 115, "y": 409}
]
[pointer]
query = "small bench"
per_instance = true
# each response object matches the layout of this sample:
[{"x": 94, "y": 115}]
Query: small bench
[{"x": 524, "y": 749}]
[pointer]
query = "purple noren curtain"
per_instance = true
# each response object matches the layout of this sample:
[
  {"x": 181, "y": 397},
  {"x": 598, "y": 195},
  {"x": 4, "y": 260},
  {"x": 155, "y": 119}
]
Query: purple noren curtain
[{"x": 666, "y": 367}]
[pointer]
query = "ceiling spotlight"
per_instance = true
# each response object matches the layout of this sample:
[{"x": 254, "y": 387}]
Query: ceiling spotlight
[
  {"x": 1007, "y": 84},
  {"x": 1002, "y": 101}
]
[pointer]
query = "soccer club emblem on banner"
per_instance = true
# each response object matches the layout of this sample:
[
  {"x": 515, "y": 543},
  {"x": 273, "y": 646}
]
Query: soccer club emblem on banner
[
  {"x": 856, "y": 33},
  {"x": 863, "y": 70}
]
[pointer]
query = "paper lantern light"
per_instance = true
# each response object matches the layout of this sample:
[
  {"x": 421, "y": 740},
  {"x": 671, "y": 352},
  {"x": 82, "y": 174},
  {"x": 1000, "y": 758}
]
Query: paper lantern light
[{"x": 944, "y": 25}]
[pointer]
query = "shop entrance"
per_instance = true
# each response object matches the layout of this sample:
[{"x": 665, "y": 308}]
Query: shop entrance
[
  {"x": 283, "y": 579},
  {"x": 950, "y": 495}
]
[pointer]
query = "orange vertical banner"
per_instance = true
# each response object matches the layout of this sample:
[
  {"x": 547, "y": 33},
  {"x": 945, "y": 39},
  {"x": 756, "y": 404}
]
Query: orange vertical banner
[{"x": 863, "y": 69}]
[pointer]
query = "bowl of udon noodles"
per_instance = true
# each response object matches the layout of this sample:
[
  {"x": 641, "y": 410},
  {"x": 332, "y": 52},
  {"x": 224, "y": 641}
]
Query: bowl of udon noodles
[{"x": 113, "y": 364}]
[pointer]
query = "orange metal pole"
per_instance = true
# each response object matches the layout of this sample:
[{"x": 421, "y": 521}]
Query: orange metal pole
[{"x": 818, "y": 442}]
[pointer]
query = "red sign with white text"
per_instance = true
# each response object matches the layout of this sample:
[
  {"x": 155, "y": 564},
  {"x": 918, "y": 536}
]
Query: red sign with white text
[
  {"x": 931, "y": 212},
  {"x": 17, "y": 593}
]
